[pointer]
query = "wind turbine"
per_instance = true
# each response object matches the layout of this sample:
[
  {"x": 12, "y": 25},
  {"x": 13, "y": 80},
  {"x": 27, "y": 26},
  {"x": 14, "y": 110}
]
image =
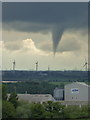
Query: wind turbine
[
  {"x": 14, "y": 63},
  {"x": 48, "y": 68},
  {"x": 36, "y": 66},
  {"x": 86, "y": 65}
]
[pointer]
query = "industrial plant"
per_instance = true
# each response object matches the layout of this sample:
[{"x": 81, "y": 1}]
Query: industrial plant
[{"x": 76, "y": 93}]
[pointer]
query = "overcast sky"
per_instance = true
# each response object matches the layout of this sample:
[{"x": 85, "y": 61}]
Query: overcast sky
[{"x": 54, "y": 34}]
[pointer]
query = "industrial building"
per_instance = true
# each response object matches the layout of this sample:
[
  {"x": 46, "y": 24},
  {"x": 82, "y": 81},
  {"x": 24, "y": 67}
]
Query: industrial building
[
  {"x": 36, "y": 98},
  {"x": 77, "y": 91},
  {"x": 58, "y": 94}
]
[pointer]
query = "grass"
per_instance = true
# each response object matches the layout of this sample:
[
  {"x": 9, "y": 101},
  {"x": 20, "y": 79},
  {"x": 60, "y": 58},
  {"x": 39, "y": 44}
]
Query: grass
[{"x": 59, "y": 83}]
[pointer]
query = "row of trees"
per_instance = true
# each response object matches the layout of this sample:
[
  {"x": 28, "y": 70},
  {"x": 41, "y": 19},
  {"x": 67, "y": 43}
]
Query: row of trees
[
  {"x": 34, "y": 87},
  {"x": 12, "y": 108},
  {"x": 45, "y": 110}
]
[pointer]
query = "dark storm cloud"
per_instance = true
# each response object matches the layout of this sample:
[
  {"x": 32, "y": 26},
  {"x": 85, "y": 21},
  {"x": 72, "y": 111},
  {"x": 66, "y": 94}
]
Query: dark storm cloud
[
  {"x": 43, "y": 12},
  {"x": 54, "y": 16}
]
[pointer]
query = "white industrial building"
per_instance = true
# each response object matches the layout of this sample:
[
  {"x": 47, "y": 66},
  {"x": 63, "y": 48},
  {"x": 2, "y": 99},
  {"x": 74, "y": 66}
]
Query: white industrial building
[{"x": 77, "y": 91}]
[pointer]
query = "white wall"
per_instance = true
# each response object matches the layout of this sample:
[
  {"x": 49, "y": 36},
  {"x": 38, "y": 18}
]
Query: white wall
[{"x": 81, "y": 93}]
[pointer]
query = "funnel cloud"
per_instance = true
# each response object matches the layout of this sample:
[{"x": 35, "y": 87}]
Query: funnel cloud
[{"x": 56, "y": 37}]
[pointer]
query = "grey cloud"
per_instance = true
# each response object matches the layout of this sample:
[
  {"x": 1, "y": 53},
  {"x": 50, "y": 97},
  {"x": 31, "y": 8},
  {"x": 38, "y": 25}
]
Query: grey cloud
[
  {"x": 13, "y": 46},
  {"x": 37, "y": 17},
  {"x": 70, "y": 45},
  {"x": 27, "y": 26},
  {"x": 66, "y": 47},
  {"x": 45, "y": 46}
]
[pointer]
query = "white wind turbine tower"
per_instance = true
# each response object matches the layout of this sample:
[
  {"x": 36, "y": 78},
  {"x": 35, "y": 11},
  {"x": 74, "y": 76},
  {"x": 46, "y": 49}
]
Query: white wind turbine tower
[
  {"x": 48, "y": 68},
  {"x": 14, "y": 63},
  {"x": 86, "y": 65},
  {"x": 36, "y": 66}
]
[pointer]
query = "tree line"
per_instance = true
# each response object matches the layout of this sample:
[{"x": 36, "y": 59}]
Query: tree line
[{"x": 33, "y": 87}]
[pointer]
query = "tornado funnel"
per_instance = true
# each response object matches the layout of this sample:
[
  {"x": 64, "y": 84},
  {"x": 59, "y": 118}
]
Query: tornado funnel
[{"x": 56, "y": 37}]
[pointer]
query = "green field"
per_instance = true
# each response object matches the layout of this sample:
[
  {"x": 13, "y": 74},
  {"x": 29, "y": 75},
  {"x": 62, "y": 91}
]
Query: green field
[{"x": 59, "y": 83}]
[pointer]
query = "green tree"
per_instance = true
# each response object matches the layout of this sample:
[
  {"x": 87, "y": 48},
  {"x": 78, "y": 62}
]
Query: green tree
[
  {"x": 13, "y": 98},
  {"x": 57, "y": 110},
  {"x": 54, "y": 109},
  {"x": 23, "y": 110},
  {"x": 76, "y": 112},
  {"x": 4, "y": 92},
  {"x": 8, "y": 110},
  {"x": 37, "y": 111},
  {"x": 62, "y": 85}
]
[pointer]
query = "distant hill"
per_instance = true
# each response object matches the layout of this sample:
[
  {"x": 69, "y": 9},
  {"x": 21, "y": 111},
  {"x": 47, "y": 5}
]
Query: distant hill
[{"x": 50, "y": 76}]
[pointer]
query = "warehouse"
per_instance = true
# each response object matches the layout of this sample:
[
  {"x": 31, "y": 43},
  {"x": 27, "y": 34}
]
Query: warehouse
[
  {"x": 77, "y": 91},
  {"x": 36, "y": 98}
]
